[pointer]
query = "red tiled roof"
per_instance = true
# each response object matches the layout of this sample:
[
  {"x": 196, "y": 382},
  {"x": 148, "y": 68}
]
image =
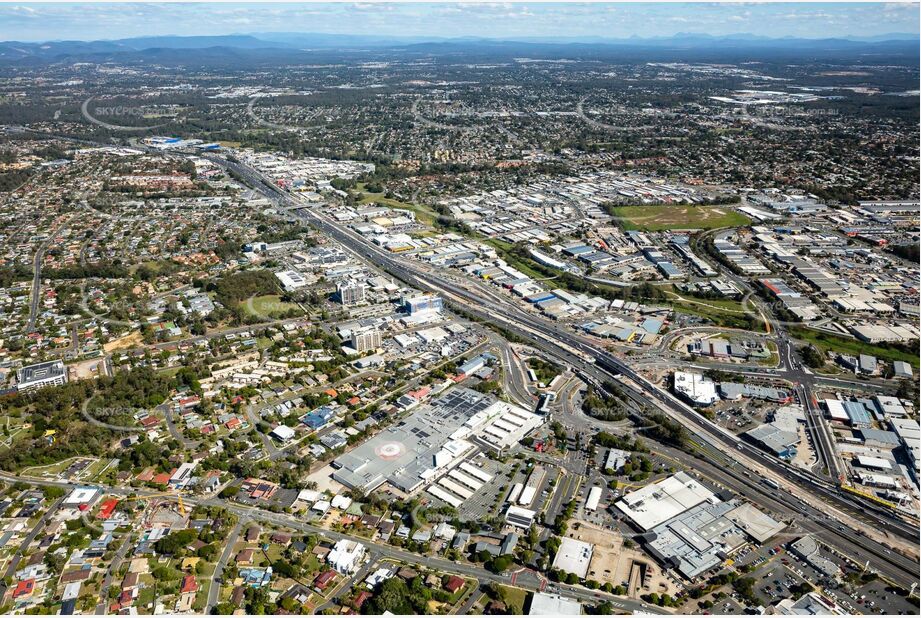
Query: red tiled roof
[
  {"x": 323, "y": 579},
  {"x": 454, "y": 584},
  {"x": 24, "y": 588},
  {"x": 146, "y": 475},
  {"x": 363, "y": 596},
  {"x": 105, "y": 511},
  {"x": 189, "y": 584}
]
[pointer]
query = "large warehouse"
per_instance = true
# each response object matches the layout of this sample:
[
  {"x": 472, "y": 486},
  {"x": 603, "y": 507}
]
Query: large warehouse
[
  {"x": 499, "y": 426},
  {"x": 658, "y": 502},
  {"x": 690, "y": 529}
]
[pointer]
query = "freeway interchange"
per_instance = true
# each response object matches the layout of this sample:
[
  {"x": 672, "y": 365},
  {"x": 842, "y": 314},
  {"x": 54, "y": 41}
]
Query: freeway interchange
[{"x": 807, "y": 498}]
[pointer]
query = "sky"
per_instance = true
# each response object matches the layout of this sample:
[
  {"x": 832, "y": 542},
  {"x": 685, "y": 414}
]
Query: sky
[{"x": 97, "y": 21}]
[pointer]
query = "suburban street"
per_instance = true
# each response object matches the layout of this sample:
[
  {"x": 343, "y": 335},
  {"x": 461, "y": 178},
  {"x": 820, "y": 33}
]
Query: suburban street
[{"x": 576, "y": 351}]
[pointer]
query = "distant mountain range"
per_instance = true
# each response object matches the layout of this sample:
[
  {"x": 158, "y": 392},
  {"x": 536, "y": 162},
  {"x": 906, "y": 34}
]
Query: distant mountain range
[
  {"x": 293, "y": 47},
  {"x": 338, "y": 40}
]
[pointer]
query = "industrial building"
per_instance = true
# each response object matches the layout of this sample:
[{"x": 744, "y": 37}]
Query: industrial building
[
  {"x": 615, "y": 460},
  {"x": 593, "y": 499},
  {"x": 426, "y": 303},
  {"x": 696, "y": 541},
  {"x": 909, "y": 435},
  {"x": 806, "y": 548},
  {"x": 810, "y": 604},
  {"x": 471, "y": 366},
  {"x": 736, "y": 390},
  {"x": 659, "y": 502},
  {"x": 854, "y": 413},
  {"x": 695, "y": 388},
  {"x": 500, "y": 426},
  {"x": 781, "y": 435},
  {"x": 901, "y": 369},
  {"x": 291, "y": 280},
  {"x": 573, "y": 556},
  {"x": 544, "y": 604},
  {"x": 690, "y": 529},
  {"x": 519, "y": 517}
]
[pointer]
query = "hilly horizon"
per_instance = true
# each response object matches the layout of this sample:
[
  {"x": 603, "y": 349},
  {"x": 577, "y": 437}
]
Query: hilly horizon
[{"x": 259, "y": 49}]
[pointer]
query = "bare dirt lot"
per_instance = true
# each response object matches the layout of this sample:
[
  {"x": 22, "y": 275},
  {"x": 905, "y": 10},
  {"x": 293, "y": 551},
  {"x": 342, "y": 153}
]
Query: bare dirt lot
[
  {"x": 87, "y": 370},
  {"x": 612, "y": 562},
  {"x": 131, "y": 340}
]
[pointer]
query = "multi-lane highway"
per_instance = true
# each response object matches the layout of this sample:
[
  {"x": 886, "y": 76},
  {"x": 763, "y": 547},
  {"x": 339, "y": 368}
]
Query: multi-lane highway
[
  {"x": 584, "y": 355},
  {"x": 850, "y": 526}
]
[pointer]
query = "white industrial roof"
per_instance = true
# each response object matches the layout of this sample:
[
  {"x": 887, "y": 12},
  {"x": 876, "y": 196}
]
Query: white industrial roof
[
  {"x": 594, "y": 497},
  {"x": 696, "y": 387},
  {"x": 81, "y": 495},
  {"x": 659, "y": 502},
  {"x": 283, "y": 433},
  {"x": 573, "y": 556},
  {"x": 873, "y": 462},
  {"x": 543, "y": 604}
]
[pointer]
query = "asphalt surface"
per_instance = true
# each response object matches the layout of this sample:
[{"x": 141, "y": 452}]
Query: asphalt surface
[
  {"x": 527, "y": 580},
  {"x": 214, "y": 590},
  {"x": 102, "y": 608},
  {"x": 13, "y": 566},
  {"x": 36, "y": 293},
  {"x": 582, "y": 354}
]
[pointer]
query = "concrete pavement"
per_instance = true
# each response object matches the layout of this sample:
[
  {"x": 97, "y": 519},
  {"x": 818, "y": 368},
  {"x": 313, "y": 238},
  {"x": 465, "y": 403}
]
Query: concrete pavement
[{"x": 584, "y": 354}]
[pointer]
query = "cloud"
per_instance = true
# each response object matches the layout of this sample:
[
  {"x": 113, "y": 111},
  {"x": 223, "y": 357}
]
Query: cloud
[{"x": 25, "y": 21}]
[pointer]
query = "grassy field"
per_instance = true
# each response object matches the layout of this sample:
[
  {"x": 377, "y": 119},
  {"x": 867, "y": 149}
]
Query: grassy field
[
  {"x": 722, "y": 312},
  {"x": 267, "y": 305},
  {"x": 50, "y": 469},
  {"x": 525, "y": 266},
  {"x": 515, "y": 599},
  {"x": 423, "y": 214},
  {"x": 678, "y": 217},
  {"x": 774, "y": 358},
  {"x": 825, "y": 342}
]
